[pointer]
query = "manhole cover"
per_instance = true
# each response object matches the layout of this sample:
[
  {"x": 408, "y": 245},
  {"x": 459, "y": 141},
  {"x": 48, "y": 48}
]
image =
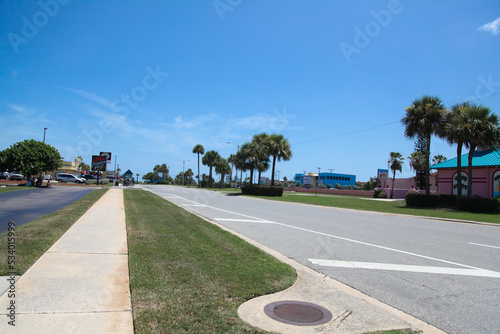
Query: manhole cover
[{"x": 298, "y": 313}]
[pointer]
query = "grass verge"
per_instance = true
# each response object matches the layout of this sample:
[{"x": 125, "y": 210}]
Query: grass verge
[
  {"x": 10, "y": 188},
  {"x": 34, "y": 238},
  {"x": 398, "y": 207},
  {"x": 187, "y": 275}
]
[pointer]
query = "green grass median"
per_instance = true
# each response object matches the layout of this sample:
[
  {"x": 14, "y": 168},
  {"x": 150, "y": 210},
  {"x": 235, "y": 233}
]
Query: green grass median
[
  {"x": 34, "y": 238},
  {"x": 397, "y": 207},
  {"x": 188, "y": 275}
]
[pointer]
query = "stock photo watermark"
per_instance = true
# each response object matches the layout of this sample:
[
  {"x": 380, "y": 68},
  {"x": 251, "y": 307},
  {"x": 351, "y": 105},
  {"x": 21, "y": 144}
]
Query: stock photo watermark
[
  {"x": 31, "y": 27},
  {"x": 121, "y": 107},
  {"x": 11, "y": 278},
  {"x": 223, "y": 6},
  {"x": 373, "y": 28},
  {"x": 484, "y": 89}
]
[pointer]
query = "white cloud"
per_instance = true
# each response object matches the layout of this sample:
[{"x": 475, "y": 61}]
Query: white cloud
[
  {"x": 493, "y": 27},
  {"x": 101, "y": 100}
]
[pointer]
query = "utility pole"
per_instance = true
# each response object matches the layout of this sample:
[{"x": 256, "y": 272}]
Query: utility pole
[{"x": 44, "y": 130}]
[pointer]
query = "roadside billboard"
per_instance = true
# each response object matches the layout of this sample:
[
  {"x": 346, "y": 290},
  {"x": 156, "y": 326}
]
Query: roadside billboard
[
  {"x": 98, "y": 163},
  {"x": 307, "y": 179},
  {"x": 107, "y": 155},
  {"x": 382, "y": 173}
]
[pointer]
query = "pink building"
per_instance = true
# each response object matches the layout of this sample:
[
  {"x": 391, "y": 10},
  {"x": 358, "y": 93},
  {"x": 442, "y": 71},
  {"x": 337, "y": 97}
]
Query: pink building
[{"x": 485, "y": 174}]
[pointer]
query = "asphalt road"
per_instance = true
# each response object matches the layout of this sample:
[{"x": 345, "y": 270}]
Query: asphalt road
[
  {"x": 444, "y": 273},
  {"x": 24, "y": 206}
]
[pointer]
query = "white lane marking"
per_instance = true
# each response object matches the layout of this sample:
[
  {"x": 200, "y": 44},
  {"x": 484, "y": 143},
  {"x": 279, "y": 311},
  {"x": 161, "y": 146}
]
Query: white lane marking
[
  {"x": 243, "y": 220},
  {"x": 199, "y": 205},
  {"x": 408, "y": 268},
  {"x": 473, "y": 243},
  {"x": 339, "y": 237}
]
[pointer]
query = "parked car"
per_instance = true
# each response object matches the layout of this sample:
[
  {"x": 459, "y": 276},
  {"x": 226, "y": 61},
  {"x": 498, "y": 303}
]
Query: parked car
[
  {"x": 63, "y": 178},
  {"x": 3, "y": 175},
  {"x": 15, "y": 176},
  {"x": 88, "y": 177}
]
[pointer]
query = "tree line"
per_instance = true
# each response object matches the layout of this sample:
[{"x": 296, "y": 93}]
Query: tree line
[
  {"x": 258, "y": 155},
  {"x": 465, "y": 124}
]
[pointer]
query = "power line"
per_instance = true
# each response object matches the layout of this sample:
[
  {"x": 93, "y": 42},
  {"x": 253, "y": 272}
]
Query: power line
[
  {"x": 347, "y": 133},
  {"x": 484, "y": 97}
]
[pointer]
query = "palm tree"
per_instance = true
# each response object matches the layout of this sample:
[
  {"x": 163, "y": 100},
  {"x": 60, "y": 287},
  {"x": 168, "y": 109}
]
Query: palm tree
[
  {"x": 280, "y": 149},
  {"x": 164, "y": 171},
  {"x": 199, "y": 149},
  {"x": 262, "y": 140},
  {"x": 223, "y": 169},
  {"x": 210, "y": 159},
  {"x": 396, "y": 164},
  {"x": 482, "y": 131},
  {"x": 437, "y": 159},
  {"x": 456, "y": 131},
  {"x": 156, "y": 170},
  {"x": 425, "y": 118}
]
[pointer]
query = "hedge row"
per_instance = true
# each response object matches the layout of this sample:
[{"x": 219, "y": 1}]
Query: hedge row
[
  {"x": 474, "y": 204},
  {"x": 262, "y": 190}
]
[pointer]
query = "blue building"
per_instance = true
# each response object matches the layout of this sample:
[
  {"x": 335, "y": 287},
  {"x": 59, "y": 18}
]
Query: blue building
[{"x": 329, "y": 179}]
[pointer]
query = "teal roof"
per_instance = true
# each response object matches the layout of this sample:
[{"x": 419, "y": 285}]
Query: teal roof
[{"x": 487, "y": 158}]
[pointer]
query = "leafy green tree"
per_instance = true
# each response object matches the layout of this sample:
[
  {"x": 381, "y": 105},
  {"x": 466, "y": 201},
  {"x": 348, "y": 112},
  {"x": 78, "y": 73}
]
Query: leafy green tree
[
  {"x": 250, "y": 157},
  {"x": 222, "y": 167},
  {"x": 188, "y": 177},
  {"x": 210, "y": 159},
  {"x": 156, "y": 170},
  {"x": 30, "y": 157},
  {"x": 279, "y": 149},
  {"x": 417, "y": 163},
  {"x": 151, "y": 177},
  {"x": 199, "y": 149},
  {"x": 483, "y": 131},
  {"x": 396, "y": 164}
]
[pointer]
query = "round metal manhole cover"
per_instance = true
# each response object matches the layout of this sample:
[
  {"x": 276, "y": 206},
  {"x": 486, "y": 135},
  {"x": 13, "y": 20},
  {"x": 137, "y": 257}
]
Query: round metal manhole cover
[{"x": 298, "y": 313}]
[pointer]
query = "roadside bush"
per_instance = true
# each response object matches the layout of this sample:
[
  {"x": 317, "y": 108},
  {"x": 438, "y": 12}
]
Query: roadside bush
[
  {"x": 447, "y": 200},
  {"x": 421, "y": 200},
  {"x": 262, "y": 190},
  {"x": 477, "y": 204},
  {"x": 379, "y": 193}
]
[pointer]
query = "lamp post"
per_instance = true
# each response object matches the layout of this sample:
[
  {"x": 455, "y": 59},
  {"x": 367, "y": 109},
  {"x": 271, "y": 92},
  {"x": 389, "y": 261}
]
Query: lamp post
[
  {"x": 183, "y": 167},
  {"x": 116, "y": 181},
  {"x": 235, "y": 169},
  {"x": 319, "y": 171},
  {"x": 44, "y": 130}
]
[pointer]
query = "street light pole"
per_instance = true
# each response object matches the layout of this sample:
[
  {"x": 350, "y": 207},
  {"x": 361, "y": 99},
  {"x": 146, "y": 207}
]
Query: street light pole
[
  {"x": 183, "y": 168},
  {"x": 319, "y": 171},
  {"x": 44, "y": 130},
  {"x": 235, "y": 168},
  {"x": 116, "y": 181}
]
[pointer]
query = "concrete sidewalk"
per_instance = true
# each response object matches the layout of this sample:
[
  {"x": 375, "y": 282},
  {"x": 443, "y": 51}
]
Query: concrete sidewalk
[{"x": 81, "y": 284}]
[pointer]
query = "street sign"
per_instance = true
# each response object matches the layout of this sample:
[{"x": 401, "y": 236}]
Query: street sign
[
  {"x": 107, "y": 155},
  {"x": 308, "y": 179},
  {"x": 98, "y": 163}
]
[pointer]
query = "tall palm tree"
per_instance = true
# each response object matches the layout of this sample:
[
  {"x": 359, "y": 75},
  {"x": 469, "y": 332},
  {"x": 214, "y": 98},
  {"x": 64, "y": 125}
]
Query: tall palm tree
[
  {"x": 456, "y": 131},
  {"x": 164, "y": 171},
  {"x": 222, "y": 168},
  {"x": 483, "y": 131},
  {"x": 156, "y": 170},
  {"x": 425, "y": 118},
  {"x": 280, "y": 149},
  {"x": 210, "y": 159},
  {"x": 396, "y": 164},
  {"x": 437, "y": 159},
  {"x": 262, "y": 140},
  {"x": 199, "y": 149}
]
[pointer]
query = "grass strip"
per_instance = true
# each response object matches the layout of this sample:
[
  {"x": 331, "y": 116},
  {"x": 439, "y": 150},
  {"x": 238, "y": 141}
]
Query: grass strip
[
  {"x": 11, "y": 188},
  {"x": 188, "y": 275},
  {"x": 34, "y": 238},
  {"x": 398, "y": 207}
]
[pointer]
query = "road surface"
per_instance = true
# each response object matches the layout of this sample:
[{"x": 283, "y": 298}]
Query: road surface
[
  {"x": 24, "y": 206},
  {"x": 444, "y": 273}
]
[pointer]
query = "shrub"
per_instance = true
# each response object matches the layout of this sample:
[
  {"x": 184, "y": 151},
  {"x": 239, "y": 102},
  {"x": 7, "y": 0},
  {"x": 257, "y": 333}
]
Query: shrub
[
  {"x": 262, "y": 190},
  {"x": 477, "y": 204},
  {"x": 379, "y": 193},
  {"x": 421, "y": 200},
  {"x": 447, "y": 200}
]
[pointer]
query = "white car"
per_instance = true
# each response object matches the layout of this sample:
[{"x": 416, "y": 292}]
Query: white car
[
  {"x": 63, "y": 178},
  {"x": 15, "y": 176}
]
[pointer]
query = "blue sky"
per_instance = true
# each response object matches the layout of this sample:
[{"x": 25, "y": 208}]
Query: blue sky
[{"x": 148, "y": 80}]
